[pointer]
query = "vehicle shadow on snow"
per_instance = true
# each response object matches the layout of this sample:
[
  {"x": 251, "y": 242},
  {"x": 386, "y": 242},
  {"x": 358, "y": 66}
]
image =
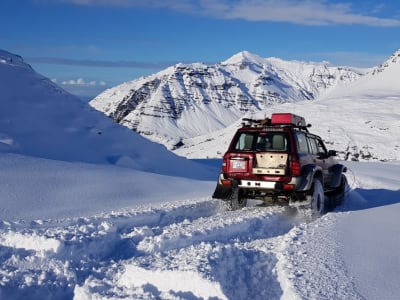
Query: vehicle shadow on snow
[{"x": 359, "y": 199}]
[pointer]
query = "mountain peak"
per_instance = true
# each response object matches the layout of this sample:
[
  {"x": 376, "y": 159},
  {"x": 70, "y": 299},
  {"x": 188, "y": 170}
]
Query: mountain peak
[
  {"x": 243, "y": 57},
  {"x": 394, "y": 59}
]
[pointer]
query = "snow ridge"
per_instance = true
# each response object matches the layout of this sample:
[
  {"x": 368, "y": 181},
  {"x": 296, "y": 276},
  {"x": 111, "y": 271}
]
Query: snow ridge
[{"x": 393, "y": 59}]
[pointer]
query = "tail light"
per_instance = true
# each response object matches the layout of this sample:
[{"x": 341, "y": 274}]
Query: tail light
[
  {"x": 224, "y": 165},
  {"x": 295, "y": 166}
]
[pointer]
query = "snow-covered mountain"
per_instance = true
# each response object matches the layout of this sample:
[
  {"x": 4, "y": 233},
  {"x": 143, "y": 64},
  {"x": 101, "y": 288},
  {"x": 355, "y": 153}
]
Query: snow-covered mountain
[
  {"x": 188, "y": 100},
  {"x": 37, "y": 118},
  {"x": 361, "y": 120},
  {"x": 383, "y": 80}
]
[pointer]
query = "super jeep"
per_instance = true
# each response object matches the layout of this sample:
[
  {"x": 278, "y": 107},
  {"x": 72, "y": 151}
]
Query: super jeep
[{"x": 277, "y": 160}]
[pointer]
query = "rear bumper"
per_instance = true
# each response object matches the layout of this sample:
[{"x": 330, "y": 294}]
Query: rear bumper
[
  {"x": 249, "y": 184},
  {"x": 287, "y": 184},
  {"x": 293, "y": 184}
]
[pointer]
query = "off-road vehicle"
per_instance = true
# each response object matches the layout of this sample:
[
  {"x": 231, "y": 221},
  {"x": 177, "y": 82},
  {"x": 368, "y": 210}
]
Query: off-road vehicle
[{"x": 277, "y": 160}]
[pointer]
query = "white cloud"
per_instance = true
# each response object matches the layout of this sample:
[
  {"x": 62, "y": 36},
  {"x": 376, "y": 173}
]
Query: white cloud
[
  {"x": 306, "y": 12},
  {"x": 299, "y": 12},
  {"x": 81, "y": 82}
]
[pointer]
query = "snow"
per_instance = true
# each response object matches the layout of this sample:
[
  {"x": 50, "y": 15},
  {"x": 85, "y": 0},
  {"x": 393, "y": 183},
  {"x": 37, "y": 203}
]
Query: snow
[
  {"x": 100, "y": 219},
  {"x": 80, "y": 189},
  {"x": 377, "y": 277},
  {"x": 187, "y": 100}
]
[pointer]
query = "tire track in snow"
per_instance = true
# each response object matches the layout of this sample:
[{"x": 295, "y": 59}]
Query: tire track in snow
[
  {"x": 80, "y": 246},
  {"x": 234, "y": 251},
  {"x": 91, "y": 251},
  {"x": 242, "y": 225}
]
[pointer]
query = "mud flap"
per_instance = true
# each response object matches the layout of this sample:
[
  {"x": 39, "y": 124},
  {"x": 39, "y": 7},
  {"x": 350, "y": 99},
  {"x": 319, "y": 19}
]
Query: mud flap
[{"x": 224, "y": 192}]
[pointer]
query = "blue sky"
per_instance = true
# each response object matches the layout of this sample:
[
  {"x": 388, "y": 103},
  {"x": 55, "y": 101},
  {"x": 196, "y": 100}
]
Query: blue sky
[{"x": 89, "y": 45}]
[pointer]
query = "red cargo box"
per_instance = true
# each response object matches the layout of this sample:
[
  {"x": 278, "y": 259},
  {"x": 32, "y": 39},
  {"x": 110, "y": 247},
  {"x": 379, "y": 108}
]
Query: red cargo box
[{"x": 287, "y": 118}]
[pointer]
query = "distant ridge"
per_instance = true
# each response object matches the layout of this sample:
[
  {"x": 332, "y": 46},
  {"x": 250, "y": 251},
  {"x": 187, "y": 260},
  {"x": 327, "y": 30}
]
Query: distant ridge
[{"x": 382, "y": 80}]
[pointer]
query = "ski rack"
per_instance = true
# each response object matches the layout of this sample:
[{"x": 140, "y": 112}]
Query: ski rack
[
  {"x": 256, "y": 123},
  {"x": 247, "y": 122}
]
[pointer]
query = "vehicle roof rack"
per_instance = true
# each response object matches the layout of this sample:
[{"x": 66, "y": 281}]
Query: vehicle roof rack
[
  {"x": 247, "y": 122},
  {"x": 278, "y": 120}
]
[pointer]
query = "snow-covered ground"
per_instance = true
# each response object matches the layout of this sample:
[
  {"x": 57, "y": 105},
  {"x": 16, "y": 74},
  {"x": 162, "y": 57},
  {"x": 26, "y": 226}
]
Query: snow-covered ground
[
  {"x": 80, "y": 231},
  {"x": 359, "y": 127},
  {"x": 90, "y": 210}
]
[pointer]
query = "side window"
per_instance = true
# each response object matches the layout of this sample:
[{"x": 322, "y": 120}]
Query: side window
[
  {"x": 321, "y": 147},
  {"x": 244, "y": 142},
  {"x": 313, "y": 145},
  {"x": 302, "y": 146}
]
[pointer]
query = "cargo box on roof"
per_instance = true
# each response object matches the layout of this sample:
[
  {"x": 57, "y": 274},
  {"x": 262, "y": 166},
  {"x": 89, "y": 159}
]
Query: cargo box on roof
[{"x": 287, "y": 118}]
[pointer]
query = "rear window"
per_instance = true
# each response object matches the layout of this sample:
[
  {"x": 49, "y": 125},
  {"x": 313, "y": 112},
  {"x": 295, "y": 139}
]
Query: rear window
[{"x": 261, "y": 141}]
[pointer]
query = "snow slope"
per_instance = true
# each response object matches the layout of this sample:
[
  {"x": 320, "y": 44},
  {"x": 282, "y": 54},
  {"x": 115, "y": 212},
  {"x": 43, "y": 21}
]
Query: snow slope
[
  {"x": 75, "y": 224},
  {"x": 53, "y": 188},
  {"x": 358, "y": 127},
  {"x": 383, "y": 80},
  {"x": 38, "y": 118}
]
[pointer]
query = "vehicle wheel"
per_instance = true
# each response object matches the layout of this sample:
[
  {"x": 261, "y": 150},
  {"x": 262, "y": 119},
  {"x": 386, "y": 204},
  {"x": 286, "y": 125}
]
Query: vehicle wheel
[
  {"x": 318, "y": 198},
  {"x": 236, "y": 200},
  {"x": 338, "y": 195}
]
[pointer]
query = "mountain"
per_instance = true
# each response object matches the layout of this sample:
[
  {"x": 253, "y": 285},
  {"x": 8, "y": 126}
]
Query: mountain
[
  {"x": 360, "y": 120},
  {"x": 381, "y": 80},
  {"x": 37, "y": 118},
  {"x": 188, "y": 100}
]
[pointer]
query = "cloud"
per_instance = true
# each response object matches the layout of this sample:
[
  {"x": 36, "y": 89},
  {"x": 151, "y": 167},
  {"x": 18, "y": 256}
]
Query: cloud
[
  {"x": 86, "y": 90},
  {"x": 303, "y": 12},
  {"x": 306, "y": 12},
  {"x": 99, "y": 63},
  {"x": 81, "y": 82}
]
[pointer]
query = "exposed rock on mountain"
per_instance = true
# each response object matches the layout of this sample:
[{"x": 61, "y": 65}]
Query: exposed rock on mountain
[{"x": 188, "y": 100}]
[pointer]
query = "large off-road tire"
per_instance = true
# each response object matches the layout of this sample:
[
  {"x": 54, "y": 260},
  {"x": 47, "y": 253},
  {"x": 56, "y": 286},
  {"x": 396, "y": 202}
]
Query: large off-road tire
[
  {"x": 337, "y": 197},
  {"x": 318, "y": 203},
  {"x": 236, "y": 200}
]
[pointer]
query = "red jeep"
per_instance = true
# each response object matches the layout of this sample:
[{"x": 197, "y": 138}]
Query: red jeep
[{"x": 278, "y": 160}]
